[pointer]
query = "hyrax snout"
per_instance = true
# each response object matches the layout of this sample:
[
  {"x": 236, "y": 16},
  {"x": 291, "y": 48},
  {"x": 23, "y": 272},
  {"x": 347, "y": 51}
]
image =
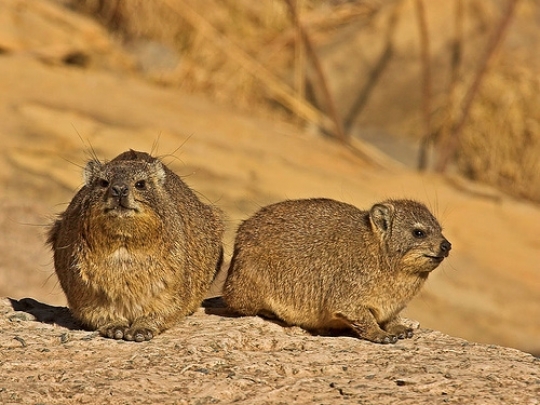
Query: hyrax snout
[
  {"x": 135, "y": 251},
  {"x": 323, "y": 264}
]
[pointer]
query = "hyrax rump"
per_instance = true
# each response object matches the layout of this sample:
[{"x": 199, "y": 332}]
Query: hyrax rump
[
  {"x": 136, "y": 250},
  {"x": 323, "y": 264}
]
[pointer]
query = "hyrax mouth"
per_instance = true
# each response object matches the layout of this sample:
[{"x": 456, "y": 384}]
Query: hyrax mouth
[
  {"x": 118, "y": 209},
  {"x": 437, "y": 259}
]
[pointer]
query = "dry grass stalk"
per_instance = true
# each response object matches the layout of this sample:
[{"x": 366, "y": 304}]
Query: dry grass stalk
[
  {"x": 277, "y": 87},
  {"x": 379, "y": 67},
  {"x": 300, "y": 61},
  {"x": 426, "y": 82},
  {"x": 268, "y": 38},
  {"x": 263, "y": 29},
  {"x": 449, "y": 146},
  {"x": 321, "y": 77},
  {"x": 455, "y": 66},
  {"x": 500, "y": 145}
]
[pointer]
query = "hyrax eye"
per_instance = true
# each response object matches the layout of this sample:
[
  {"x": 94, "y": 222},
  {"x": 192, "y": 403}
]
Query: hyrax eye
[
  {"x": 419, "y": 233},
  {"x": 103, "y": 183},
  {"x": 140, "y": 185}
]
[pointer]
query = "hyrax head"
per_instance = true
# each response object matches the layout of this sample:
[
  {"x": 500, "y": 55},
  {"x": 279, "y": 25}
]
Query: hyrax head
[
  {"x": 410, "y": 235},
  {"x": 125, "y": 186}
]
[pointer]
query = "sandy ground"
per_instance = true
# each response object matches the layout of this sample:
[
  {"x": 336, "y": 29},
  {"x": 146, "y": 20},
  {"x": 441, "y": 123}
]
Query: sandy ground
[{"x": 54, "y": 116}]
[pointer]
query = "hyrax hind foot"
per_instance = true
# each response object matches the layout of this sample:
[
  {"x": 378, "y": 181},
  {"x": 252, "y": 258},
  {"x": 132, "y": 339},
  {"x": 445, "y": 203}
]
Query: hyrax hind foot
[{"x": 367, "y": 328}]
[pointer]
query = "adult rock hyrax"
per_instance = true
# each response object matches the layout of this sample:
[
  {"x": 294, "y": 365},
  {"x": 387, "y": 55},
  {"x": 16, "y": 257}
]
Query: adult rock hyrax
[
  {"x": 324, "y": 265},
  {"x": 136, "y": 250}
]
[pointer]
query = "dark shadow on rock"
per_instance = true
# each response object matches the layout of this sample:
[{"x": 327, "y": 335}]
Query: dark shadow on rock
[
  {"x": 45, "y": 313},
  {"x": 217, "y": 306}
]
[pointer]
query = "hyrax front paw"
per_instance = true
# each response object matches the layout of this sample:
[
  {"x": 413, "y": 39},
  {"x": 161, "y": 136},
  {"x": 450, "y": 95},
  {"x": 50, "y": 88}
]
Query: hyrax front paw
[
  {"x": 373, "y": 333},
  {"x": 138, "y": 334},
  {"x": 383, "y": 338},
  {"x": 122, "y": 331},
  {"x": 401, "y": 331},
  {"x": 113, "y": 330}
]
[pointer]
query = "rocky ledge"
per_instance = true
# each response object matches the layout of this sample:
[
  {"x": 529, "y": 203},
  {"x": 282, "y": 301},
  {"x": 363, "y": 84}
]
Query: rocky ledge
[{"x": 213, "y": 357}]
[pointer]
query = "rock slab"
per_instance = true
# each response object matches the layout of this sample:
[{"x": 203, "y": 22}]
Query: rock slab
[{"x": 212, "y": 357}]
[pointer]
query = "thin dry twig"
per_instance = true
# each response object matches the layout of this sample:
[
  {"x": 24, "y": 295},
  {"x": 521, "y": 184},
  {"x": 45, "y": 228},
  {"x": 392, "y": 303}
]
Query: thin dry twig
[
  {"x": 299, "y": 60},
  {"x": 378, "y": 69},
  {"x": 426, "y": 83},
  {"x": 455, "y": 66},
  {"x": 319, "y": 22},
  {"x": 321, "y": 77},
  {"x": 449, "y": 146},
  {"x": 278, "y": 89}
]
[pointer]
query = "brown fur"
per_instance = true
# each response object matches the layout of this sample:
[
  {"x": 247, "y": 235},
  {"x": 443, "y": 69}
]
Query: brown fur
[
  {"x": 135, "y": 251},
  {"x": 323, "y": 264}
]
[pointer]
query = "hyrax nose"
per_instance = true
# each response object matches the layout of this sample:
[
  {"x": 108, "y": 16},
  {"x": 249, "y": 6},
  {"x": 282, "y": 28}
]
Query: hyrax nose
[
  {"x": 119, "y": 190},
  {"x": 445, "y": 247}
]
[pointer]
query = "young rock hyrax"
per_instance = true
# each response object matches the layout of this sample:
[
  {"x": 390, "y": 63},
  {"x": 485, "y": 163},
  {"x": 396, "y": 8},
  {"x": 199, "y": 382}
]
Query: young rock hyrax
[
  {"x": 136, "y": 250},
  {"x": 323, "y": 264}
]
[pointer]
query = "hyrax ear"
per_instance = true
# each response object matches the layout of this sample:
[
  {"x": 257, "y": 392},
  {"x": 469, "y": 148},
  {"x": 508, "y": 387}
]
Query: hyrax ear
[
  {"x": 91, "y": 170},
  {"x": 381, "y": 216},
  {"x": 158, "y": 171}
]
